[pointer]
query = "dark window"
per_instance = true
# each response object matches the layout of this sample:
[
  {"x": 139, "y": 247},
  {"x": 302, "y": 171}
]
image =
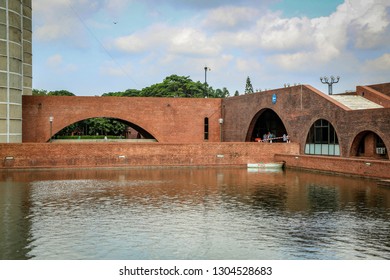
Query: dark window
[
  {"x": 206, "y": 128},
  {"x": 322, "y": 139},
  {"x": 322, "y": 132}
]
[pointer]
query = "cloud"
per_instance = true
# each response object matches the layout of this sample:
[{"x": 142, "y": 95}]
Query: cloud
[
  {"x": 115, "y": 7},
  {"x": 381, "y": 63},
  {"x": 63, "y": 20},
  {"x": 190, "y": 41},
  {"x": 242, "y": 31},
  {"x": 369, "y": 22},
  {"x": 248, "y": 65},
  {"x": 56, "y": 63},
  {"x": 173, "y": 40},
  {"x": 230, "y": 17}
]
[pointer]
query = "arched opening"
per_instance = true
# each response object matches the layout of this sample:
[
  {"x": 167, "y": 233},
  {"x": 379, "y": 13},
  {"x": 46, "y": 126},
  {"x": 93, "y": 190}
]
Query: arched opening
[
  {"x": 369, "y": 144},
  {"x": 266, "y": 123},
  {"x": 322, "y": 139},
  {"x": 105, "y": 129}
]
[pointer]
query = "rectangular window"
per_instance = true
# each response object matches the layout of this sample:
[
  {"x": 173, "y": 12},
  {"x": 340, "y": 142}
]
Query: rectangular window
[{"x": 206, "y": 128}]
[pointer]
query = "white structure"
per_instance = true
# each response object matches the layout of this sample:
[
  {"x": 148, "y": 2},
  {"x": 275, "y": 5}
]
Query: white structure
[{"x": 15, "y": 65}]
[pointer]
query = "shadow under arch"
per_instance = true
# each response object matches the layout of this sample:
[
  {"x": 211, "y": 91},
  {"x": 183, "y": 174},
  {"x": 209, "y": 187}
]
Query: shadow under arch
[
  {"x": 81, "y": 128},
  {"x": 322, "y": 139},
  {"x": 369, "y": 144},
  {"x": 266, "y": 120}
]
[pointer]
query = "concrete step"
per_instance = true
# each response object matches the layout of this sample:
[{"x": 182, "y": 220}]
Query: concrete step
[{"x": 356, "y": 102}]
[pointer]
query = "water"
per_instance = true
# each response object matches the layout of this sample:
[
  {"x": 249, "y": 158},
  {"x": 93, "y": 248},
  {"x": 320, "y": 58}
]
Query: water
[{"x": 191, "y": 213}]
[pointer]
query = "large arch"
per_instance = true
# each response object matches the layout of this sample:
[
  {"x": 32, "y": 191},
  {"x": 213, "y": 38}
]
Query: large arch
[
  {"x": 140, "y": 130},
  {"x": 322, "y": 139},
  {"x": 369, "y": 144},
  {"x": 166, "y": 119},
  {"x": 265, "y": 121}
]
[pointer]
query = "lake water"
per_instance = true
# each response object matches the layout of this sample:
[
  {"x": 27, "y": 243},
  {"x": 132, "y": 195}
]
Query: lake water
[{"x": 191, "y": 213}]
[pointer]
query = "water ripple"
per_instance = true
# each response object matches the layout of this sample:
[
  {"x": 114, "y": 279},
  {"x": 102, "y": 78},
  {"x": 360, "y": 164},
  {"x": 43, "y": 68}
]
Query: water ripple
[{"x": 196, "y": 214}]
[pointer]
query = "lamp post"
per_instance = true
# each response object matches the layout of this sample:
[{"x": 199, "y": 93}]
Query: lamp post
[
  {"x": 51, "y": 118},
  {"x": 333, "y": 80},
  {"x": 220, "y": 120},
  {"x": 205, "y": 80}
]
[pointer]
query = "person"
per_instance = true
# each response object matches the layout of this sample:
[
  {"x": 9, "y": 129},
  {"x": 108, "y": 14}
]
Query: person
[
  {"x": 269, "y": 137},
  {"x": 284, "y": 137}
]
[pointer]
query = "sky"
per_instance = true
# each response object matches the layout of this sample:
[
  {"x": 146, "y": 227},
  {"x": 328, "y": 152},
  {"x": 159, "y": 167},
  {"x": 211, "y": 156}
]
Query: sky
[{"x": 91, "y": 47}]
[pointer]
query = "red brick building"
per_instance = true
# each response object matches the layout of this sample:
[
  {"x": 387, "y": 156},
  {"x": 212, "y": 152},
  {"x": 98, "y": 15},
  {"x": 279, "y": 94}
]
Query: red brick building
[
  {"x": 348, "y": 125},
  {"x": 353, "y": 125}
]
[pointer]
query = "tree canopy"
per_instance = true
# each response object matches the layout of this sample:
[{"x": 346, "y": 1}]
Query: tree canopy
[
  {"x": 175, "y": 86},
  {"x": 52, "y": 93},
  {"x": 171, "y": 86}
]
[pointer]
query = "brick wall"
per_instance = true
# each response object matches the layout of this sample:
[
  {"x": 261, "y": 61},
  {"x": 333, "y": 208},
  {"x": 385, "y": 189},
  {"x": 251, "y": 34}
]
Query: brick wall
[
  {"x": 173, "y": 120},
  {"x": 374, "y": 95},
  {"x": 86, "y": 155},
  {"x": 352, "y": 166},
  {"x": 383, "y": 88},
  {"x": 299, "y": 107},
  {"x": 167, "y": 119},
  {"x": 52, "y": 155}
]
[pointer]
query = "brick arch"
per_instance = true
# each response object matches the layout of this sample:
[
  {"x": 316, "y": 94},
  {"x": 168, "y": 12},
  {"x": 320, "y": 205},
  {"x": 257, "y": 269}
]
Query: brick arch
[
  {"x": 257, "y": 117},
  {"x": 61, "y": 121},
  {"x": 169, "y": 120},
  {"x": 368, "y": 136},
  {"x": 126, "y": 121}
]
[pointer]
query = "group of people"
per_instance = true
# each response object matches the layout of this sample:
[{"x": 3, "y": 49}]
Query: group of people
[{"x": 269, "y": 137}]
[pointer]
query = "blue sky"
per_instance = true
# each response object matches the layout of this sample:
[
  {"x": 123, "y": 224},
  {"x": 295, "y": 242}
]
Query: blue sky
[{"x": 90, "y": 47}]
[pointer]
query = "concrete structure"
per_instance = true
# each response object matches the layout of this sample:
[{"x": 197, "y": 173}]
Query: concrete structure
[{"x": 15, "y": 65}]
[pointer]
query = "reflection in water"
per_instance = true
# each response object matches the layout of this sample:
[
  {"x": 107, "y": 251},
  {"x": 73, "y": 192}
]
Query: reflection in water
[
  {"x": 14, "y": 221},
  {"x": 191, "y": 213}
]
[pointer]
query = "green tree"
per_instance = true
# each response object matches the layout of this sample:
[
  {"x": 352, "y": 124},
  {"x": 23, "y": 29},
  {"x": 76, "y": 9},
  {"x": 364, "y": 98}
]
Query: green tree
[
  {"x": 236, "y": 93},
  {"x": 175, "y": 86},
  {"x": 104, "y": 126},
  {"x": 39, "y": 92},
  {"x": 128, "y": 92},
  {"x": 248, "y": 86},
  {"x": 60, "y": 93}
]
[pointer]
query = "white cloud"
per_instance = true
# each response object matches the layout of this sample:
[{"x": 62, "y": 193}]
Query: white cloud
[
  {"x": 174, "y": 40},
  {"x": 63, "y": 20},
  {"x": 115, "y": 7},
  {"x": 54, "y": 61},
  {"x": 230, "y": 17},
  {"x": 367, "y": 22},
  {"x": 381, "y": 63},
  {"x": 248, "y": 65},
  {"x": 192, "y": 42}
]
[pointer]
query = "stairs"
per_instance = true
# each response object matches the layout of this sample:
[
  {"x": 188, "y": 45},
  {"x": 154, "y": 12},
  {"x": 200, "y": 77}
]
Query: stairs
[{"x": 355, "y": 102}]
